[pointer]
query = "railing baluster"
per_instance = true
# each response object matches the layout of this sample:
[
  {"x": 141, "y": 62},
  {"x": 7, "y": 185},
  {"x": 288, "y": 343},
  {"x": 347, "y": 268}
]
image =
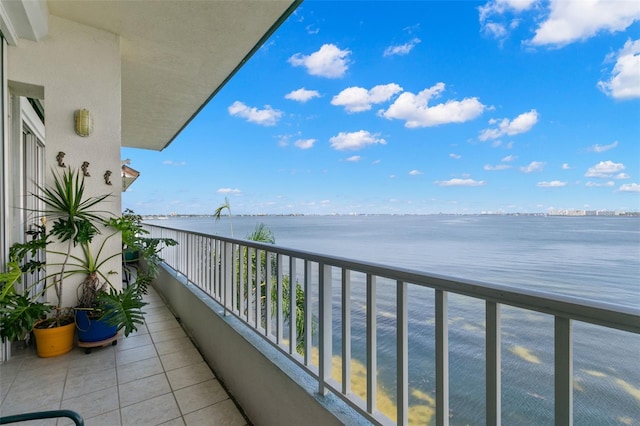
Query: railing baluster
[
  {"x": 216, "y": 270},
  {"x": 308, "y": 318},
  {"x": 228, "y": 276},
  {"x": 442, "y": 359},
  {"x": 324, "y": 341},
  {"x": 493, "y": 364},
  {"x": 563, "y": 359},
  {"x": 402, "y": 354},
  {"x": 258, "y": 297},
  {"x": 292, "y": 306},
  {"x": 250, "y": 293},
  {"x": 372, "y": 353},
  {"x": 268, "y": 279},
  {"x": 242, "y": 266},
  {"x": 346, "y": 331},
  {"x": 279, "y": 321}
]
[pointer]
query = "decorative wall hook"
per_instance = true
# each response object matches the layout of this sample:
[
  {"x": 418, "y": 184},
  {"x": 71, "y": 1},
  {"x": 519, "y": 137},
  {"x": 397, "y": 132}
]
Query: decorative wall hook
[
  {"x": 60, "y": 159},
  {"x": 85, "y": 169},
  {"x": 107, "y": 177}
]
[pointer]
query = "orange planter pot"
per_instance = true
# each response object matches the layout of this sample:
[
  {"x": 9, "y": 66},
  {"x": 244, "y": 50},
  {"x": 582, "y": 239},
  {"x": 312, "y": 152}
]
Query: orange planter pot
[{"x": 54, "y": 341}]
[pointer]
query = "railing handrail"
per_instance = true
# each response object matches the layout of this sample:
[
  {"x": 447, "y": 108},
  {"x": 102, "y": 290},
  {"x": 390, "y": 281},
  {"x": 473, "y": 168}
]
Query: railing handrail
[{"x": 620, "y": 317}]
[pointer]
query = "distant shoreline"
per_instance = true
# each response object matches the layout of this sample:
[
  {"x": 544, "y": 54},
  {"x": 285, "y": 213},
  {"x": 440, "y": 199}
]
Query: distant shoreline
[{"x": 573, "y": 213}]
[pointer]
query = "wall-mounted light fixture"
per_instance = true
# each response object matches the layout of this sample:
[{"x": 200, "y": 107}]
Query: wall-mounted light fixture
[{"x": 84, "y": 122}]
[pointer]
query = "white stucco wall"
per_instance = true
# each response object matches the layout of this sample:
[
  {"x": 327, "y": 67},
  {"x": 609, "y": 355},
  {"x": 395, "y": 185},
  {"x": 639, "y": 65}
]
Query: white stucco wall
[{"x": 78, "y": 67}]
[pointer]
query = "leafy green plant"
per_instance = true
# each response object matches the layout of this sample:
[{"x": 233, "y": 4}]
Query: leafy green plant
[
  {"x": 18, "y": 313},
  {"x": 147, "y": 249},
  {"x": 122, "y": 309}
]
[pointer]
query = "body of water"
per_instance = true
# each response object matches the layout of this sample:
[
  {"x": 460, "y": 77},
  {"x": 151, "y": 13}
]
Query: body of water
[{"x": 596, "y": 258}]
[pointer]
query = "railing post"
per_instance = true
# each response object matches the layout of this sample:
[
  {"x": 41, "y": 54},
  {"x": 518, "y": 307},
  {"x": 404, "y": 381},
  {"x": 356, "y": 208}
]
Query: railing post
[
  {"x": 346, "y": 331},
  {"x": 402, "y": 354},
  {"x": 442, "y": 359},
  {"x": 493, "y": 364},
  {"x": 324, "y": 341},
  {"x": 563, "y": 359},
  {"x": 372, "y": 353}
]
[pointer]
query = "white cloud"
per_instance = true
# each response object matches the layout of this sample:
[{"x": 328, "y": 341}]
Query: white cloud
[
  {"x": 534, "y": 166},
  {"x": 489, "y": 167},
  {"x": 509, "y": 158},
  {"x": 455, "y": 156},
  {"x": 402, "y": 49},
  {"x": 595, "y": 184},
  {"x": 629, "y": 187},
  {"x": 174, "y": 163},
  {"x": 357, "y": 99},
  {"x": 622, "y": 176},
  {"x": 353, "y": 159},
  {"x": 302, "y": 95},
  {"x": 233, "y": 191},
  {"x": 501, "y": 6},
  {"x": 329, "y": 61},
  {"x": 304, "y": 143},
  {"x": 495, "y": 30},
  {"x": 551, "y": 184},
  {"x": 416, "y": 112},
  {"x": 572, "y": 20},
  {"x": 492, "y": 11},
  {"x": 264, "y": 117},
  {"x": 415, "y": 172},
  {"x": 460, "y": 182},
  {"x": 566, "y": 166},
  {"x": 521, "y": 124},
  {"x": 606, "y": 169},
  {"x": 355, "y": 140},
  {"x": 625, "y": 77},
  {"x": 603, "y": 148}
]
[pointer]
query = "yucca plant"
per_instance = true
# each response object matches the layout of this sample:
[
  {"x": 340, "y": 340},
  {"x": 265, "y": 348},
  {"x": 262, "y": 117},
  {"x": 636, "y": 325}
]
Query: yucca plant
[{"x": 74, "y": 221}]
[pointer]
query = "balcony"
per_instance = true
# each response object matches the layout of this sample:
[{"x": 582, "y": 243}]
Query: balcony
[
  {"x": 232, "y": 299},
  {"x": 153, "y": 376},
  {"x": 348, "y": 311}
]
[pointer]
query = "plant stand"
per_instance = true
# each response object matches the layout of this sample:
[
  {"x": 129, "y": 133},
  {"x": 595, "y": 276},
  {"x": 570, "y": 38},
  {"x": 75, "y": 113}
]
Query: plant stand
[{"x": 102, "y": 343}]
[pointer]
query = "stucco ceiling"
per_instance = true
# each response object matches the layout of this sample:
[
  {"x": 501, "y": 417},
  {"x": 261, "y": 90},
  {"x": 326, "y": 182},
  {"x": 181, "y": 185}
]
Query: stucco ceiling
[{"x": 176, "y": 54}]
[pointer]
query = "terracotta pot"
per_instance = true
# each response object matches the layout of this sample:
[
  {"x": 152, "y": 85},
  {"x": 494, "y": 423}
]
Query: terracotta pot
[{"x": 54, "y": 341}]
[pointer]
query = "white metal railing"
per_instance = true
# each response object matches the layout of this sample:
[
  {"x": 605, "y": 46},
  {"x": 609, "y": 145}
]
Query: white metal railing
[{"x": 241, "y": 275}]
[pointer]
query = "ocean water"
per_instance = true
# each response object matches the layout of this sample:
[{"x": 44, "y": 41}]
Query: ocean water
[{"x": 596, "y": 258}]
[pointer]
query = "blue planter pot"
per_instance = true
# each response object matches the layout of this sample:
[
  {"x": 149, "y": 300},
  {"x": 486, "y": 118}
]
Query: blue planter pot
[{"x": 91, "y": 329}]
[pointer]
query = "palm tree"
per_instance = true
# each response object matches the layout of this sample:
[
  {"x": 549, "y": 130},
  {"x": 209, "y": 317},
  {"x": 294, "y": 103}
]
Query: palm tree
[{"x": 218, "y": 213}]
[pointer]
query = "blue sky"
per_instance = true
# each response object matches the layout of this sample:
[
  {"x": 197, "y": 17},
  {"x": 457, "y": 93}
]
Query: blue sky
[{"x": 417, "y": 107}]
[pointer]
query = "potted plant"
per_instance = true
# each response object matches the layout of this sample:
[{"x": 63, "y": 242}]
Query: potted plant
[
  {"x": 75, "y": 222},
  {"x": 138, "y": 246}
]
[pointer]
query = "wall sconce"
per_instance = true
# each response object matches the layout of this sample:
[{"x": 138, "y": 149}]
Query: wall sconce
[{"x": 84, "y": 122}]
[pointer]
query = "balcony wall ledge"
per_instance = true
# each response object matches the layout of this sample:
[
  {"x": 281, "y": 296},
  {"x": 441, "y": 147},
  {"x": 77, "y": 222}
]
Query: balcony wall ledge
[{"x": 270, "y": 388}]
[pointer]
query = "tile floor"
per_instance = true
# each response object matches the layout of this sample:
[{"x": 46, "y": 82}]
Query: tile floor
[{"x": 153, "y": 377}]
